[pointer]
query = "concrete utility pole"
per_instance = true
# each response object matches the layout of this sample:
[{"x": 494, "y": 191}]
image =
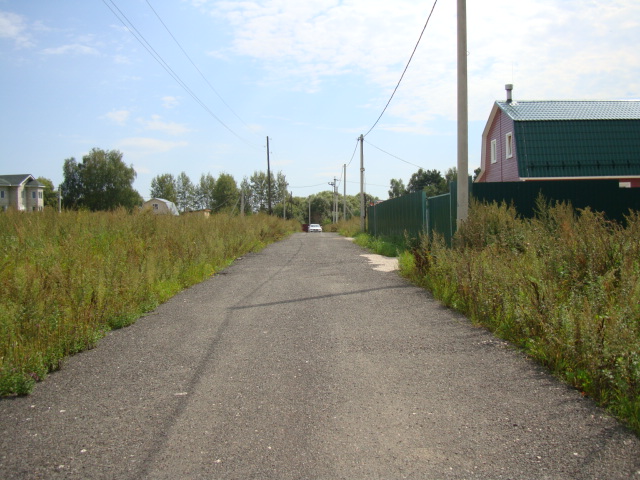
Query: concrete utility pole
[
  {"x": 333, "y": 203},
  {"x": 344, "y": 195},
  {"x": 362, "y": 183},
  {"x": 335, "y": 200},
  {"x": 463, "y": 116},
  {"x": 269, "y": 178}
]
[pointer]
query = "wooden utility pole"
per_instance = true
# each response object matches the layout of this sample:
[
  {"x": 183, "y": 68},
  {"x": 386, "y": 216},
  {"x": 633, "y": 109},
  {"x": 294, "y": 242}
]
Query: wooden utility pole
[
  {"x": 362, "y": 183},
  {"x": 269, "y": 178},
  {"x": 463, "y": 115},
  {"x": 344, "y": 195}
]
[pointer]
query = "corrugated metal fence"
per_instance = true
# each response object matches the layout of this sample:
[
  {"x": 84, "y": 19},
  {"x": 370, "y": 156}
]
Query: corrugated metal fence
[
  {"x": 414, "y": 213},
  {"x": 398, "y": 215}
]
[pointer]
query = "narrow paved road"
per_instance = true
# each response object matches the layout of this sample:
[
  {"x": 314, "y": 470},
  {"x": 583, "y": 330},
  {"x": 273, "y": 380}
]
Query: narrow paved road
[{"x": 303, "y": 362}]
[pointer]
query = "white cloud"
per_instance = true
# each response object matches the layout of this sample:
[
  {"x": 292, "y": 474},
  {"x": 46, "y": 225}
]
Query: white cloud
[
  {"x": 13, "y": 26},
  {"x": 170, "y": 102},
  {"x": 118, "y": 116},
  {"x": 73, "y": 49},
  {"x": 122, "y": 60},
  {"x": 547, "y": 48},
  {"x": 170, "y": 128},
  {"x": 148, "y": 146}
]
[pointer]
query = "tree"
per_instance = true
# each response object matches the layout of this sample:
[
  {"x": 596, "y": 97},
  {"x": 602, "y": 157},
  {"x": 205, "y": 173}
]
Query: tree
[
  {"x": 50, "y": 194},
  {"x": 204, "y": 192},
  {"x": 164, "y": 186},
  {"x": 185, "y": 193},
  {"x": 431, "y": 181},
  {"x": 101, "y": 182},
  {"x": 260, "y": 190},
  {"x": 225, "y": 193},
  {"x": 397, "y": 188},
  {"x": 246, "y": 192},
  {"x": 451, "y": 175}
]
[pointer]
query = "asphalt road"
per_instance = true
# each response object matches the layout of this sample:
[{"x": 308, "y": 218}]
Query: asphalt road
[{"x": 303, "y": 362}]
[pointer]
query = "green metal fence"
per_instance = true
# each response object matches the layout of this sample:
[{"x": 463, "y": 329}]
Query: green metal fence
[
  {"x": 600, "y": 195},
  {"x": 397, "y": 216},
  {"x": 414, "y": 213}
]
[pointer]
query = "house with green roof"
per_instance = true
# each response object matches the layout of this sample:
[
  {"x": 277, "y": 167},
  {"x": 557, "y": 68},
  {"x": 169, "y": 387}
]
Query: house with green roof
[
  {"x": 21, "y": 192},
  {"x": 561, "y": 140}
]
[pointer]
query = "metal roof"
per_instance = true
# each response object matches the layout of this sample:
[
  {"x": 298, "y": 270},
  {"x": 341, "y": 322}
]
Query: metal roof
[
  {"x": 550, "y": 110},
  {"x": 16, "y": 180}
]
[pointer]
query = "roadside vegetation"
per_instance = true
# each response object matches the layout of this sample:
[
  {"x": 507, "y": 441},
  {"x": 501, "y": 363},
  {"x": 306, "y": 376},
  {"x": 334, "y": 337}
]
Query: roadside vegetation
[
  {"x": 68, "y": 278},
  {"x": 389, "y": 247},
  {"x": 564, "y": 287}
]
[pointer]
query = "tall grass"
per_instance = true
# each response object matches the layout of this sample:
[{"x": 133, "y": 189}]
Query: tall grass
[
  {"x": 68, "y": 278},
  {"x": 564, "y": 286}
]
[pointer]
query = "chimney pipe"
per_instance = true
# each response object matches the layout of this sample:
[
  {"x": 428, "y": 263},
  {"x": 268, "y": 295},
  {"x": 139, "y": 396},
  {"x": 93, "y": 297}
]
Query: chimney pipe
[{"x": 508, "y": 87}]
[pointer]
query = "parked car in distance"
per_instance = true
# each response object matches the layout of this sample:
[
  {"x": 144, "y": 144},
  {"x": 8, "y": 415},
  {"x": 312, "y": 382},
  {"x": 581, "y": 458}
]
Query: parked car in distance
[{"x": 314, "y": 227}]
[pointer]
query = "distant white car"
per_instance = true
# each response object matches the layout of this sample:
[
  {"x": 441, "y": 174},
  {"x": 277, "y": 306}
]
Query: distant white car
[{"x": 314, "y": 227}]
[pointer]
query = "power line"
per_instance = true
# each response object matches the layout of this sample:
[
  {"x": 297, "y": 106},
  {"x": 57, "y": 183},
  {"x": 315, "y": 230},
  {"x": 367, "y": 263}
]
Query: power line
[
  {"x": 158, "y": 58},
  {"x": 310, "y": 186},
  {"x": 354, "y": 152},
  {"x": 195, "y": 66},
  {"x": 405, "y": 68},
  {"x": 392, "y": 155}
]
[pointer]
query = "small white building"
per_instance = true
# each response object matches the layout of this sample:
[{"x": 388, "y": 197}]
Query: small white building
[
  {"x": 21, "y": 192},
  {"x": 161, "y": 206}
]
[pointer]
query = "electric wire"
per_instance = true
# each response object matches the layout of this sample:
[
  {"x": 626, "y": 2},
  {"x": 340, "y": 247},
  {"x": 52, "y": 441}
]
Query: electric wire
[
  {"x": 195, "y": 66},
  {"x": 309, "y": 186},
  {"x": 354, "y": 152},
  {"x": 158, "y": 58},
  {"x": 394, "y": 156},
  {"x": 405, "y": 68}
]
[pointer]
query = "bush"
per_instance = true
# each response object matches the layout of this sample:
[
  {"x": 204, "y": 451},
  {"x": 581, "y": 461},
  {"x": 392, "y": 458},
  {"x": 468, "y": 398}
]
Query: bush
[{"x": 564, "y": 286}]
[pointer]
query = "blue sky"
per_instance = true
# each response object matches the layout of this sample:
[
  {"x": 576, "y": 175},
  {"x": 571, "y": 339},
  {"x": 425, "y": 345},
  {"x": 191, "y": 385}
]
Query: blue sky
[{"x": 311, "y": 74}]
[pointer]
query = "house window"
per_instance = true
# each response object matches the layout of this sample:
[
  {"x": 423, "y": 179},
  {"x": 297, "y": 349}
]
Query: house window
[
  {"x": 155, "y": 206},
  {"x": 33, "y": 195},
  {"x": 40, "y": 195},
  {"x": 509, "y": 144},
  {"x": 1, "y": 193},
  {"x": 494, "y": 149}
]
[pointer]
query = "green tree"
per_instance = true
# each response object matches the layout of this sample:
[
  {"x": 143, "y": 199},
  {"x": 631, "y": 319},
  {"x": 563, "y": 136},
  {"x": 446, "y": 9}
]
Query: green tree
[
  {"x": 204, "y": 192},
  {"x": 185, "y": 193},
  {"x": 225, "y": 193},
  {"x": 431, "y": 181},
  {"x": 101, "y": 182},
  {"x": 50, "y": 193},
  {"x": 259, "y": 187},
  {"x": 322, "y": 207},
  {"x": 451, "y": 175},
  {"x": 247, "y": 192},
  {"x": 164, "y": 186},
  {"x": 71, "y": 187},
  {"x": 397, "y": 188}
]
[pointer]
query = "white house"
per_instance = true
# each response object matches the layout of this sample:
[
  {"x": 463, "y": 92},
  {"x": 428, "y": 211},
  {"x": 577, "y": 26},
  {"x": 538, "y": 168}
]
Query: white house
[
  {"x": 161, "y": 206},
  {"x": 21, "y": 192}
]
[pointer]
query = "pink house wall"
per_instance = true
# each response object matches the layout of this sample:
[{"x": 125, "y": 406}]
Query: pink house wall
[{"x": 505, "y": 169}]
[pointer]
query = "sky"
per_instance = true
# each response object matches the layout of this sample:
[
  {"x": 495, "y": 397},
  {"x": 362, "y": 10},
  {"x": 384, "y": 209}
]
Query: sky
[{"x": 203, "y": 83}]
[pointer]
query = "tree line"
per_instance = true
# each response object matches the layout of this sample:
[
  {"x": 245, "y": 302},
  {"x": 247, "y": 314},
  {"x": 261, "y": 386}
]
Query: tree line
[
  {"x": 101, "y": 180},
  {"x": 430, "y": 181}
]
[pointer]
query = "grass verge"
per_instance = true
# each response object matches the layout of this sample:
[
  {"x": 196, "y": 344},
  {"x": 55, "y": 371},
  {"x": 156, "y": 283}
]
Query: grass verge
[
  {"x": 69, "y": 278},
  {"x": 564, "y": 287}
]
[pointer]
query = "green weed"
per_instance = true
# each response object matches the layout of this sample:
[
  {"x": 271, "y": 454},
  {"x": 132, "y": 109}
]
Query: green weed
[
  {"x": 564, "y": 286},
  {"x": 68, "y": 278}
]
